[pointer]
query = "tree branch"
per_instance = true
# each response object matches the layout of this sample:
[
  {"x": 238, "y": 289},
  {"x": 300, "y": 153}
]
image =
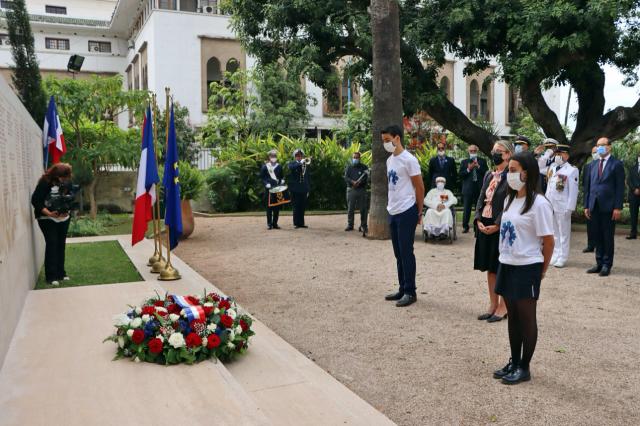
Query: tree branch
[{"x": 541, "y": 113}]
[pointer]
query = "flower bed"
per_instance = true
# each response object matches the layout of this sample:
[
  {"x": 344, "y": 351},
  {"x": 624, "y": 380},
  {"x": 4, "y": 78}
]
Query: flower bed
[{"x": 182, "y": 329}]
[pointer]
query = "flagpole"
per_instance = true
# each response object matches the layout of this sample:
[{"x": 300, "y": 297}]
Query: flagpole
[
  {"x": 159, "y": 265},
  {"x": 156, "y": 256},
  {"x": 169, "y": 273}
]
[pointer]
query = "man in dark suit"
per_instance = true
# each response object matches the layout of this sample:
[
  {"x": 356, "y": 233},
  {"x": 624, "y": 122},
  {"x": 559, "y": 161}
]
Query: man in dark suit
[
  {"x": 634, "y": 197},
  {"x": 603, "y": 204},
  {"x": 472, "y": 171},
  {"x": 586, "y": 176},
  {"x": 444, "y": 166},
  {"x": 299, "y": 186}
]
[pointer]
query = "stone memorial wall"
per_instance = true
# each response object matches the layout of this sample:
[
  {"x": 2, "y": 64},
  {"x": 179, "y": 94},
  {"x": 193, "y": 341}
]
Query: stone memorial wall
[{"x": 21, "y": 242}]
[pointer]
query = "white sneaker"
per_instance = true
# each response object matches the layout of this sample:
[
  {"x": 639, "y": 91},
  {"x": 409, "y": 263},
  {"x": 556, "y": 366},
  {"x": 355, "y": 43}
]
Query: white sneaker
[
  {"x": 560, "y": 264},
  {"x": 554, "y": 260},
  {"x": 66, "y": 278},
  {"x": 55, "y": 283}
]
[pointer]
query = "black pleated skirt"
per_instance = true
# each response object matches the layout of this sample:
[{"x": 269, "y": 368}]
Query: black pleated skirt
[
  {"x": 486, "y": 254},
  {"x": 515, "y": 282}
]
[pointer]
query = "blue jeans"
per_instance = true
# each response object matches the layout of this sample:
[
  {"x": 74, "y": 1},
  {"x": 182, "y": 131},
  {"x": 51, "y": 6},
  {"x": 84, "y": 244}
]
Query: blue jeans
[{"x": 403, "y": 232}]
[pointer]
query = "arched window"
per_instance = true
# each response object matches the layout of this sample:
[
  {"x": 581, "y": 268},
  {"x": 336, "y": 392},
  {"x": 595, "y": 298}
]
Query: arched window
[
  {"x": 213, "y": 73},
  {"x": 474, "y": 97},
  {"x": 485, "y": 105},
  {"x": 445, "y": 86}
]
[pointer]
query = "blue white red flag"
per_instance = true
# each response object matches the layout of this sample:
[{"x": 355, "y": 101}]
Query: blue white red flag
[
  {"x": 192, "y": 310},
  {"x": 52, "y": 137}
]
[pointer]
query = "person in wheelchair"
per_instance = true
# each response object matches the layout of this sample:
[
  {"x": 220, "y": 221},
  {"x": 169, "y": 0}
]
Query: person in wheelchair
[{"x": 438, "y": 218}]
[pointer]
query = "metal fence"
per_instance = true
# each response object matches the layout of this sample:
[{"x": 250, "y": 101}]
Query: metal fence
[{"x": 205, "y": 159}]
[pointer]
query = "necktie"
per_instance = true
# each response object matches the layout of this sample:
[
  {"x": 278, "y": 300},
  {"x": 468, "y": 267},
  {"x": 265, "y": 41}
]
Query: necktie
[
  {"x": 475, "y": 175},
  {"x": 600, "y": 167}
]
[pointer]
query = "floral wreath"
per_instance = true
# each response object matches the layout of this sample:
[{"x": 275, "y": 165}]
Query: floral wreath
[{"x": 182, "y": 329}]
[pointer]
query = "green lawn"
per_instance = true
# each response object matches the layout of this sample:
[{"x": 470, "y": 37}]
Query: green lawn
[{"x": 95, "y": 263}]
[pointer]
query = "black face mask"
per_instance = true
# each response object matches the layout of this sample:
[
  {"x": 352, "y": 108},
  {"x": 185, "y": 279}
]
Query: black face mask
[{"x": 497, "y": 159}]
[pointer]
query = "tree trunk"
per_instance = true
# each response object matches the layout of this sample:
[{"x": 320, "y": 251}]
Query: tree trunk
[
  {"x": 91, "y": 189},
  {"x": 387, "y": 104}
]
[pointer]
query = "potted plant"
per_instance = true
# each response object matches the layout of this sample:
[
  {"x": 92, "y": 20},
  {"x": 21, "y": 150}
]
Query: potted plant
[{"x": 191, "y": 186}]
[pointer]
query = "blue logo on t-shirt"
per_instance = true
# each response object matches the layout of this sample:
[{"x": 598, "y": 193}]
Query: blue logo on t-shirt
[
  {"x": 508, "y": 231},
  {"x": 393, "y": 177}
]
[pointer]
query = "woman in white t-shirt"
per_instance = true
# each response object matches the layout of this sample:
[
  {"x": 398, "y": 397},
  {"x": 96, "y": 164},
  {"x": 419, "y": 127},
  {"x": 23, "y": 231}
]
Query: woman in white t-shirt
[{"x": 526, "y": 246}]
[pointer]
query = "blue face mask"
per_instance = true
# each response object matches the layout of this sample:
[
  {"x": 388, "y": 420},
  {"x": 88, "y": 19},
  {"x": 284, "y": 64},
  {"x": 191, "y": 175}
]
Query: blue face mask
[
  {"x": 355, "y": 161},
  {"x": 518, "y": 149},
  {"x": 602, "y": 150}
]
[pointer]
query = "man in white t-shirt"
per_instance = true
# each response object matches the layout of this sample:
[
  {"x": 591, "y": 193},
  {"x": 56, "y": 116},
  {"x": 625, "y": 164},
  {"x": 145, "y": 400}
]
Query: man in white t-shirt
[{"x": 406, "y": 196}]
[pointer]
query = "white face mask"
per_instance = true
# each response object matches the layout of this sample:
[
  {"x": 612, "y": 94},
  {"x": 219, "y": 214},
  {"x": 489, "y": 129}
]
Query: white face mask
[
  {"x": 595, "y": 156},
  {"x": 441, "y": 153},
  {"x": 389, "y": 147},
  {"x": 440, "y": 186},
  {"x": 558, "y": 160},
  {"x": 514, "y": 181},
  {"x": 273, "y": 160},
  {"x": 517, "y": 149},
  {"x": 473, "y": 156}
]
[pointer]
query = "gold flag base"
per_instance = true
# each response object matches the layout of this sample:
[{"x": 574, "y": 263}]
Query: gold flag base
[
  {"x": 159, "y": 266},
  {"x": 153, "y": 259},
  {"x": 169, "y": 274}
]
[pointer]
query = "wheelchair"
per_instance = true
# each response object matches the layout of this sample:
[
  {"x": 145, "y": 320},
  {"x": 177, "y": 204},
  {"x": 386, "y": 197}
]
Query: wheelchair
[{"x": 452, "y": 235}]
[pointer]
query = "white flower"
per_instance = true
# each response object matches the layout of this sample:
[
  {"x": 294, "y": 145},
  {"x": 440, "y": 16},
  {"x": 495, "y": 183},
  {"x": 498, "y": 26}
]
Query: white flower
[
  {"x": 129, "y": 333},
  {"x": 136, "y": 359},
  {"x": 183, "y": 313},
  {"x": 138, "y": 310},
  {"x": 146, "y": 318},
  {"x": 211, "y": 327},
  {"x": 121, "y": 320},
  {"x": 208, "y": 305},
  {"x": 176, "y": 340},
  {"x": 232, "y": 313},
  {"x": 161, "y": 309},
  {"x": 232, "y": 335},
  {"x": 216, "y": 311},
  {"x": 159, "y": 336},
  {"x": 136, "y": 323},
  {"x": 174, "y": 317},
  {"x": 230, "y": 345},
  {"x": 121, "y": 341},
  {"x": 204, "y": 342},
  {"x": 238, "y": 330}
]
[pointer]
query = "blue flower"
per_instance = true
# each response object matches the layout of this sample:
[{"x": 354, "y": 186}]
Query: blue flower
[
  {"x": 508, "y": 231},
  {"x": 150, "y": 328},
  {"x": 393, "y": 177},
  {"x": 184, "y": 326}
]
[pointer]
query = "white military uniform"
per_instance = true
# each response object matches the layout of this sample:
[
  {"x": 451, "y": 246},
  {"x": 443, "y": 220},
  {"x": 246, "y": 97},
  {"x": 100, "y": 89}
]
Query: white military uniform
[
  {"x": 545, "y": 161},
  {"x": 562, "y": 192}
]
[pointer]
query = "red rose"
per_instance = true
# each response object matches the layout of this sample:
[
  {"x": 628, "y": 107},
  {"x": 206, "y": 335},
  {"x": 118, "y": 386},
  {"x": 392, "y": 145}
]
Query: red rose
[
  {"x": 155, "y": 346},
  {"x": 207, "y": 310},
  {"x": 173, "y": 309},
  {"x": 158, "y": 303},
  {"x": 213, "y": 341},
  {"x": 214, "y": 297},
  {"x": 224, "y": 304},
  {"x": 193, "y": 340},
  {"x": 162, "y": 313},
  {"x": 170, "y": 299},
  {"x": 138, "y": 336},
  {"x": 148, "y": 310},
  {"x": 226, "y": 320},
  {"x": 244, "y": 325}
]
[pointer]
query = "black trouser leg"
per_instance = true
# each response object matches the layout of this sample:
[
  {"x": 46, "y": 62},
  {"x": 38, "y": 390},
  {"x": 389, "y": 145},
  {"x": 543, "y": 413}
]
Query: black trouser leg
[
  {"x": 303, "y": 207},
  {"x": 604, "y": 228},
  {"x": 351, "y": 206},
  {"x": 299, "y": 200},
  {"x": 55, "y": 237},
  {"x": 268, "y": 209},
  {"x": 364, "y": 210},
  {"x": 466, "y": 214},
  {"x": 276, "y": 215},
  {"x": 63, "y": 228},
  {"x": 591, "y": 240},
  {"x": 634, "y": 206}
]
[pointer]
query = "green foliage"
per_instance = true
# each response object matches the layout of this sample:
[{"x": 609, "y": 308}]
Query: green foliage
[
  {"x": 628, "y": 148},
  {"x": 85, "y": 227},
  {"x": 191, "y": 181},
  {"x": 26, "y": 73},
  {"x": 357, "y": 124},
  {"x": 185, "y": 134},
  {"x": 234, "y": 183},
  {"x": 526, "y": 126}
]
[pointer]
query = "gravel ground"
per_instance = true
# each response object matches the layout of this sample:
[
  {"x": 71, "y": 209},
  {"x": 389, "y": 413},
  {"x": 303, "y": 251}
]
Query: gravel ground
[{"x": 322, "y": 290}]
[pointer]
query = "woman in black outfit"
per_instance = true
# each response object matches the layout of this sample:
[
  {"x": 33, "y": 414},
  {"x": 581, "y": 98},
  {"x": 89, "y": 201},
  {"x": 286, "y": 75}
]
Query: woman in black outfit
[
  {"x": 487, "y": 221},
  {"x": 54, "y": 225}
]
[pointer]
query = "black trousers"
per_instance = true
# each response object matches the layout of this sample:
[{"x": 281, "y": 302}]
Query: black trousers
[
  {"x": 357, "y": 198},
  {"x": 55, "y": 237},
  {"x": 604, "y": 228},
  {"x": 299, "y": 200},
  {"x": 591, "y": 241},
  {"x": 469, "y": 201},
  {"x": 273, "y": 213},
  {"x": 634, "y": 205}
]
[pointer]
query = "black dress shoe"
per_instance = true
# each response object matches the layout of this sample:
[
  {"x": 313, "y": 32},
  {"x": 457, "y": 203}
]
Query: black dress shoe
[
  {"x": 588, "y": 250},
  {"x": 394, "y": 296},
  {"x": 605, "y": 271},
  {"x": 465, "y": 231},
  {"x": 348, "y": 228},
  {"x": 269, "y": 227},
  {"x": 496, "y": 318},
  {"x": 516, "y": 376},
  {"x": 406, "y": 300},
  {"x": 499, "y": 374},
  {"x": 484, "y": 317},
  {"x": 631, "y": 237},
  {"x": 595, "y": 270},
  {"x": 303, "y": 226},
  {"x": 276, "y": 227}
]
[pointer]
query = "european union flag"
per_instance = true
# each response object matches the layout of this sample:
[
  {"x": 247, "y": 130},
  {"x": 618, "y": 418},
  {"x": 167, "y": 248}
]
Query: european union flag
[{"x": 171, "y": 183}]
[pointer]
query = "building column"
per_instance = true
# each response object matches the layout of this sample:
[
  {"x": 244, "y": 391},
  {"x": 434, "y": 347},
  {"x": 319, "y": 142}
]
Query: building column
[{"x": 459, "y": 86}]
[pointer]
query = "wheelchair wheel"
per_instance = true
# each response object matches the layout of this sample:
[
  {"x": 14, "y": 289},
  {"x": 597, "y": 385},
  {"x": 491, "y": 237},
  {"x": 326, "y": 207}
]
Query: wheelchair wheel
[{"x": 425, "y": 237}]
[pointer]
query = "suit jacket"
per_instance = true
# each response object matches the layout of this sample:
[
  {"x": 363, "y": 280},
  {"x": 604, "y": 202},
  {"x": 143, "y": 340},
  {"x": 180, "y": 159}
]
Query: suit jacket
[
  {"x": 469, "y": 187},
  {"x": 586, "y": 178},
  {"x": 497, "y": 203},
  {"x": 297, "y": 180},
  {"x": 266, "y": 177},
  {"x": 633, "y": 179},
  {"x": 448, "y": 171},
  {"x": 607, "y": 190}
]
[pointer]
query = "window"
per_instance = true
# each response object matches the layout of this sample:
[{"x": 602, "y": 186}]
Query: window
[
  {"x": 188, "y": 5},
  {"x": 167, "y": 4},
  {"x": 484, "y": 101},
  {"x": 474, "y": 97},
  {"x": 337, "y": 98},
  {"x": 514, "y": 104},
  {"x": 56, "y": 43},
  {"x": 58, "y": 10},
  {"x": 445, "y": 86},
  {"x": 232, "y": 65},
  {"x": 4, "y": 39},
  {"x": 100, "y": 46},
  {"x": 6, "y": 4}
]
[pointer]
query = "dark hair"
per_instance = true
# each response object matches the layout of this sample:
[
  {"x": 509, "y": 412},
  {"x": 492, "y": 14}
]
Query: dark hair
[
  {"x": 532, "y": 185},
  {"x": 392, "y": 130},
  {"x": 55, "y": 172}
]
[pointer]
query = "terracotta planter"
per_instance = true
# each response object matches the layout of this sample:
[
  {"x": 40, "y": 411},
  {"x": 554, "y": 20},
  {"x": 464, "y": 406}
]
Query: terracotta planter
[{"x": 188, "y": 222}]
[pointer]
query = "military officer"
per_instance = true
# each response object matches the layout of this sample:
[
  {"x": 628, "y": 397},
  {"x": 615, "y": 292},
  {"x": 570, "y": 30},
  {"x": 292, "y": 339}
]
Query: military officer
[
  {"x": 299, "y": 186},
  {"x": 521, "y": 143},
  {"x": 356, "y": 176},
  {"x": 562, "y": 192},
  {"x": 545, "y": 154}
]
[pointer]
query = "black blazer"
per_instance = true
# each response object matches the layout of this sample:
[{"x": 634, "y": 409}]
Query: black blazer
[
  {"x": 607, "y": 190},
  {"x": 448, "y": 171},
  {"x": 297, "y": 181},
  {"x": 266, "y": 177},
  {"x": 39, "y": 196},
  {"x": 470, "y": 187},
  {"x": 633, "y": 179},
  {"x": 497, "y": 203}
]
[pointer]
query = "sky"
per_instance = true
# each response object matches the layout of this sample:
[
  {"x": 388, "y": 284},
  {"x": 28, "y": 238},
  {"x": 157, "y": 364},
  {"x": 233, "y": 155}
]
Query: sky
[{"x": 615, "y": 93}]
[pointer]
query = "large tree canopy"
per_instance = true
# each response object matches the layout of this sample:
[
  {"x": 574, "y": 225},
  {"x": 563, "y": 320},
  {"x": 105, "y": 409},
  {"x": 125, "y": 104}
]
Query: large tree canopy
[{"x": 538, "y": 43}]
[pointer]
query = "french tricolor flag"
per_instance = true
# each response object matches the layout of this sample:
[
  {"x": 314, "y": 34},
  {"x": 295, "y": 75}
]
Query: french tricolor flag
[
  {"x": 52, "y": 137},
  {"x": 192, "y": 310},
  {"x": 147, "y": 180}
]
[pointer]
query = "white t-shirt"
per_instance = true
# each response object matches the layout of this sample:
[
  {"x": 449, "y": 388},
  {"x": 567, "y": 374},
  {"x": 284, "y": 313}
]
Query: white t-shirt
[
  {"x": 402, "y": 194},
  {"x": 521, "y": 234}
]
